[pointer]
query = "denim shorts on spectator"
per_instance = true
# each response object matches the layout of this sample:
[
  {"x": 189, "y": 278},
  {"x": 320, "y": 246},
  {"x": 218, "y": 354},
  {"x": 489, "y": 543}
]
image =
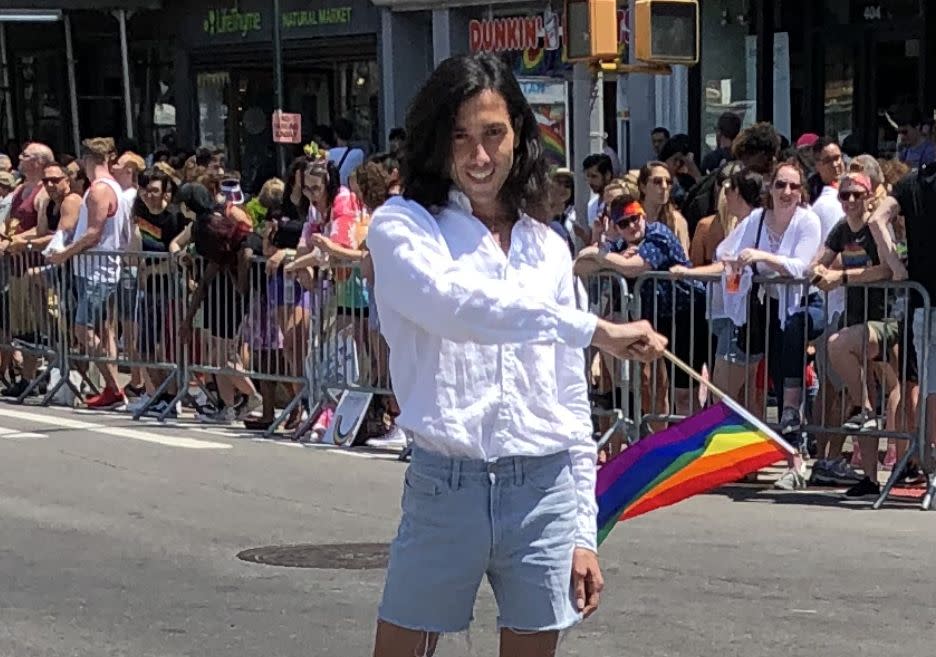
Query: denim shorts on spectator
[
  {"x": 513, "y": 520},
  {"x": 93, "y": 297}
]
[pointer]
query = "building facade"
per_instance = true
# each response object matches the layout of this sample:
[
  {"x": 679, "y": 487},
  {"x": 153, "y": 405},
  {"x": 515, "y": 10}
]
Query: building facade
[
  {"x": 529, "y": 36},
  {"x": 833, "y": 67}
]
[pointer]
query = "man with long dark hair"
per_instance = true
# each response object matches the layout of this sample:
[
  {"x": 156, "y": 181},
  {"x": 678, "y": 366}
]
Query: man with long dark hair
[{"x": 477, "y": 301}]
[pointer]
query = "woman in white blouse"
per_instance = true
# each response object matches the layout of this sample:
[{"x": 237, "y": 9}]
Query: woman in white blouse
[{"x": 781, "y": 240}]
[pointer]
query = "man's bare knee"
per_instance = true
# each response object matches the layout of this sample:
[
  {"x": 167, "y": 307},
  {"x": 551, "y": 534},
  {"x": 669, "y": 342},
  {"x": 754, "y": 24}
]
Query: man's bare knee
[{"x": 395, "y": 641}]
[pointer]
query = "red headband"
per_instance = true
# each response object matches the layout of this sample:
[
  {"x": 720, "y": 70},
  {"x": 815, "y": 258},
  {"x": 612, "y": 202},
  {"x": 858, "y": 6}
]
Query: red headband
[{"x": 633, "y": 208}]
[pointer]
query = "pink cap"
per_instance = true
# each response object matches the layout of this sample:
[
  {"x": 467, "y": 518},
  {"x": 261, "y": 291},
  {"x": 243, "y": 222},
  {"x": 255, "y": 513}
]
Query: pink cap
[{"x": 807, "y": 139}]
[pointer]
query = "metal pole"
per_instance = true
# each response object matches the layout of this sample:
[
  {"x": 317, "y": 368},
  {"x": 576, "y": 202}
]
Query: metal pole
[
  {"x": 582, "y": 82},
  {"x": 72, "y": 85},
  {"x": 278, "y": 75},
  {"x": 7, "y": 96},
  {"x": 125, "y": 61}
]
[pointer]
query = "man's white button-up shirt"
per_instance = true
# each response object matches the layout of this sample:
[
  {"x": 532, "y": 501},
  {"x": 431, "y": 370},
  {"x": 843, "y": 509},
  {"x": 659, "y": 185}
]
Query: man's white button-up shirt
[{"x": 486, "y": 347}]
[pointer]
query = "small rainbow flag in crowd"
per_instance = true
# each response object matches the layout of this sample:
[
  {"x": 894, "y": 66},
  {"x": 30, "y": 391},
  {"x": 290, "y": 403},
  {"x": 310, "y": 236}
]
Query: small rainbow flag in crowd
[{"x": 717, "y": 445}]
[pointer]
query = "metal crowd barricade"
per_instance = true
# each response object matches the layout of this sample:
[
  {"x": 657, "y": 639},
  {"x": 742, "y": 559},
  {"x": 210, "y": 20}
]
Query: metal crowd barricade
[
  {"x": 697, "y": 327},
  {"x": 33, "y": 320},
  {"x": 122, "y": 312},
  {"x": 609, "y": 379},
  {"x": 346, "y": 352},
  {"x": 247, "y": 332}
]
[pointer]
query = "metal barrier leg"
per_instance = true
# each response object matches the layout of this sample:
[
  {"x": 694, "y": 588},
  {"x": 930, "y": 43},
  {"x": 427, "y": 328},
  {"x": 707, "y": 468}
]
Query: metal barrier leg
[
  {"x": 33, "y": 385},
  {"x": 306, "y": 426},
  {"x": 927, "y": 504},
  {"x": 156, "y": 395},
  {"x": 290, "y": 407},
  {"x": 895, "y": 475}
]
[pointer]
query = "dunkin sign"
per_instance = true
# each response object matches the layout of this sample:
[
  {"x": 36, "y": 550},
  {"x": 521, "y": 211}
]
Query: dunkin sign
[{"x": 515, "y": 33}]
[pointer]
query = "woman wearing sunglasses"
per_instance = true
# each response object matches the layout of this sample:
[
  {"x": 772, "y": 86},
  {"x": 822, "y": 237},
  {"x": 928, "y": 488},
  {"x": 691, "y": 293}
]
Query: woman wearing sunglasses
[
  {"x": 635, "y": 247},
  {"x": 867, "y": 332},
  {"x": 656, "y": 186},
  {"x": 781, "y": 240}
]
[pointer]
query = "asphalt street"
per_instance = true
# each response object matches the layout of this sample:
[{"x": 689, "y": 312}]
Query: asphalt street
[{"x": 120, "y": 538}]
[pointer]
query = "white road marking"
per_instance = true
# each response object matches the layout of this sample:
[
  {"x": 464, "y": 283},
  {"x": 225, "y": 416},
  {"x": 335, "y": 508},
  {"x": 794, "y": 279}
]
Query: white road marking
[
  {"x": 117, "y": 432},
  {"x": 16, "y": 434}
]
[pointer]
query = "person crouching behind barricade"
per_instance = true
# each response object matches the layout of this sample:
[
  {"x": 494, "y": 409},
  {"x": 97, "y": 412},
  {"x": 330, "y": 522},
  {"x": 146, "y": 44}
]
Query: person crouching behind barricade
[
  {"x": 220, "y": 238},
  {"x": 675, "y": 308},
  {"x": 868, "y": 331}
]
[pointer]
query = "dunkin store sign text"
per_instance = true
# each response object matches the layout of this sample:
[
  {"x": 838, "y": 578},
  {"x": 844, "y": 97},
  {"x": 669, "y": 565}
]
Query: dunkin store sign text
[{"x": 515, "y": 33}]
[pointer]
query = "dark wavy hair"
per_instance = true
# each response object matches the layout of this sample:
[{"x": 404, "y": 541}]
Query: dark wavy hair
[
  {"x": 430, "y": 121},
  {"x": 750, "y": 186},
  {"x": 331, "y": 177}
]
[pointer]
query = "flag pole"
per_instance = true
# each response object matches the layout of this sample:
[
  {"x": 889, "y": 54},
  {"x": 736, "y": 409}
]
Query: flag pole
[{"x": 728, "y": 401}]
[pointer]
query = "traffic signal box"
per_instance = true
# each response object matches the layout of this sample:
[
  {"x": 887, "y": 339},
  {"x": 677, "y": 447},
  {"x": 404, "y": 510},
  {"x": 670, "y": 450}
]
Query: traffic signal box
[{"x": 665, "y": 32}]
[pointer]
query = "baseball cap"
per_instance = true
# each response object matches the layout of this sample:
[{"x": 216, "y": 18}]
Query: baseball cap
[{"x": 807, "y": 139}]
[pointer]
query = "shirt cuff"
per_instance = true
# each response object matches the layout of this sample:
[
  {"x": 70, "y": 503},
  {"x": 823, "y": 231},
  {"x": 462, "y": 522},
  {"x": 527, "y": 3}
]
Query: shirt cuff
[
  {"x": 576, "y": 327},
  {"x": 586, "y": 535}
]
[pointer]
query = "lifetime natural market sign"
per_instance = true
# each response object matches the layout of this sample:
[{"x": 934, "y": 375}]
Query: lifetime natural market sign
[{"x": 232, "y": 21}]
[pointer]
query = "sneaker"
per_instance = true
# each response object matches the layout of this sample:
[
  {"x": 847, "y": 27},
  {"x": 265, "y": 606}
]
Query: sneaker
[
  {"x": 157, "y": 409},
  {"x": 820, "y": 473},
  {"x": 108, "y": 400},
  {"x": 864, "y": 420},
  {"x": 790, "y": 422},
  {"x": 911, "y": 476},
  {"x": 395, "y": 439},
  {"x": 864, "y": 489},
  {"x": 138, "y": 404},
  {"x": 18, "y": 388},
  {"x": 792, "y": 479},
  {"x": 225, "y": 416},
  {"x": 842, "y": 474},
  {"x": 253, "y": 402}
]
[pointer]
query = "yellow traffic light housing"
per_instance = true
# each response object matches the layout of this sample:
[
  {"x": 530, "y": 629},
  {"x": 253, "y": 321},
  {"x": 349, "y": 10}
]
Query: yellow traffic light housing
[
  {"x": 667, "y": 31},
  {"x": 590, "y": 30}
]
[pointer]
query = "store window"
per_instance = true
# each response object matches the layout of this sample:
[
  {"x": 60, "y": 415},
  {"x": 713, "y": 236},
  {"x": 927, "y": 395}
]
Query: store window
[
  {"x": 213, "y": 91},
  {"x": 153, "y": 94},
  {"x": 728, "y": 75},
  {"x": 839, "y": 96}
]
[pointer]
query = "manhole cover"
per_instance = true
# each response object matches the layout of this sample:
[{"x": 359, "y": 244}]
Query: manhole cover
[{"x": 338, "y": 556}]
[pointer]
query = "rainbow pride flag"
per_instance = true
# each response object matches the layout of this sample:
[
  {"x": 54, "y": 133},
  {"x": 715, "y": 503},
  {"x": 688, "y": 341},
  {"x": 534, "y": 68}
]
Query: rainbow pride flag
[{"x": 717, "y": 445}]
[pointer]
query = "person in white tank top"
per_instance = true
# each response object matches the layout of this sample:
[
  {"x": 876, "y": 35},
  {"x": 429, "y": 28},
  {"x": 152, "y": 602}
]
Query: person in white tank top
[{"x": 103, "y": 227}]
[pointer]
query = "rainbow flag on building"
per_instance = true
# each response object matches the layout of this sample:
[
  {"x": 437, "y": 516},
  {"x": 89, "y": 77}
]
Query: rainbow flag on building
[{"x": 717, "y": 445}]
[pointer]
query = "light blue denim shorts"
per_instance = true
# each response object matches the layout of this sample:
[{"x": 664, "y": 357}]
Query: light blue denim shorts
[{"x": 513, "y": 520}]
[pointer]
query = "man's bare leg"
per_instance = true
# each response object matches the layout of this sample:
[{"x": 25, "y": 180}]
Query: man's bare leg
[
  {"x": 528, "y": 644},
  {"x": 395, "y": 641}
]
